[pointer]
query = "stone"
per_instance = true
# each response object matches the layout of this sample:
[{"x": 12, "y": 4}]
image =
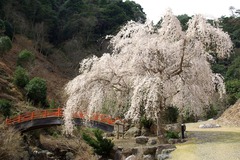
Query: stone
[
  {"x": 164, "y": 146},
  {"x": 118, "y": 155},
  {"x": 132, "y": 132},
  {"x": 173, "y": 141},
  {"x": 149, "y": 150},
  {"x": 141, "y": 139},
  {"x": 152, "y": 141},
  {"x": 167, "y": 151},
  {"x": 148, "y": 157},
  {"x": 69, "y": 156},
  {"x": 132, "y": 157},
  {"x": 173, "y": 127},
  {"x": 162, "y": 156},
  {"x": 209, "y": 125}
]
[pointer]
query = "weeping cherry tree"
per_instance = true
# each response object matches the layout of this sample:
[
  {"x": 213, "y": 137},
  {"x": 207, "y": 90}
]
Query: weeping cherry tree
[{"x": 149, "y": 69}]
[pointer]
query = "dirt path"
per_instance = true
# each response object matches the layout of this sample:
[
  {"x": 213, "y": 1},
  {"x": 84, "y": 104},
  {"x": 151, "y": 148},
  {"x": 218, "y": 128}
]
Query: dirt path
[{"x": 209, "y": 144}]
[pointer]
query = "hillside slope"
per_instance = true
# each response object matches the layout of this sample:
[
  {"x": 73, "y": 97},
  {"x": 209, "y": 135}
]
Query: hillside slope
[
  {"x": 42, "y": 67},
  {"x": 231, "y": 116}
]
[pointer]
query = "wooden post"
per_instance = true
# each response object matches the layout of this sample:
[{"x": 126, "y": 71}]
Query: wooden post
[
  {"x": 45, "y": 113},
  {"x": 123, "y": 130},
  {"x": 19, "y": 118},
  {"x": 117, "y": 131},
  {"x": 58, "y": 112},
  {"x": 32, "y": 115},
  {"x": 6, "y": 121}
]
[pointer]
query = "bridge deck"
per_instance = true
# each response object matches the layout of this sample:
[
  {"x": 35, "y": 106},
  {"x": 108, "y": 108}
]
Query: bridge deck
[{"x": 43, "y": 118}]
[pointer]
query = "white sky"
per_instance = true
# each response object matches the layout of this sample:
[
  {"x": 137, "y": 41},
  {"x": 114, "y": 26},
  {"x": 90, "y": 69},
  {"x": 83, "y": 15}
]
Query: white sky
[{"x": 209, "y": 8}]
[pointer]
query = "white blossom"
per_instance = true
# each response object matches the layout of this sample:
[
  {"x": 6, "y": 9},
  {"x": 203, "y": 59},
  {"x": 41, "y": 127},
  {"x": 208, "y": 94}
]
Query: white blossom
[{"x": 151, "y": 68}]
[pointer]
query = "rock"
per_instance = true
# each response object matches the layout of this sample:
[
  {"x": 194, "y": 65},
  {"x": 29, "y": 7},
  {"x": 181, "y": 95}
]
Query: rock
[
  {"x": 167, "y": 151},
  {"x": 161, "y": 147},
  {"x": 209, "y": 125},
  {"x": 69, "y": 156},
  {"x": 148, "y": 157},
  {"x": 118, "y": 155},
  {"x": 149, "y": 150},
  {"x": 132, "y": 132},
  {"x": 141, "y": 139},
  {"x": 129, "y": 151},
  {"x": 152, "y": 141},
  {"x": 132, "y": 157},
  {"x": 162, "y": 156},
  {"x": 172, "y": 141},
  {"x": 145, "y": 132},
  {"x": 173, "y": 127}
]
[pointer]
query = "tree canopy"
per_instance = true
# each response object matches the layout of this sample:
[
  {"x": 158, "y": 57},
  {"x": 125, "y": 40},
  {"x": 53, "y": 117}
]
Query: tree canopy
[{"x": 151, "y": 68}]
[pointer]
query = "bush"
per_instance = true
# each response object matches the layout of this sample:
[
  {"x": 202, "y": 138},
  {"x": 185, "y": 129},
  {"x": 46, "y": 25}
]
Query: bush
[
  {"x": 171, "y": 134},
  {"x": 37, "y": 90},
  {"x": 211, "y": 112},
  {"x": 170, "y": 114},
  {"x": 20, "y": 77},
  {"x": 101, "y": 146},
  {"x": 25, "y": 58},
  {"x": 5, "y": 107},
  {"x": 5, "y": 44},
  {"x": 146, "y": 123},
  {"x": 188, "y": 116}
]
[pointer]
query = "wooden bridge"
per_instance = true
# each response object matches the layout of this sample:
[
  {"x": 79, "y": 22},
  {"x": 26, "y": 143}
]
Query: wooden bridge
[{"x": 44, "y": 118}]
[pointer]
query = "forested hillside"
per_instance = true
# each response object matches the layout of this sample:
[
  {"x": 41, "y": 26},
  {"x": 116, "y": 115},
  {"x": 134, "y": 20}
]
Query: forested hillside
[{"x": 47, "y": 39}]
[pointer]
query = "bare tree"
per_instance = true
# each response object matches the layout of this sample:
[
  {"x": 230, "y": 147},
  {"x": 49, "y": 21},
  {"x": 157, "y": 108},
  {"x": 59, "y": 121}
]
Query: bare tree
[{"x": 151, "y": 68}]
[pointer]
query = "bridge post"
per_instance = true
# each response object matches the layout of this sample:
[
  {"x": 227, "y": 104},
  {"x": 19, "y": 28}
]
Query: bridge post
[
  {"x": 58, "y": 112},
  {"x": 6, "y": 121},
  {"x": 32, "y": 115},
  {"x": 19, "y": 118},
  {"x": 45, "y": 113}
]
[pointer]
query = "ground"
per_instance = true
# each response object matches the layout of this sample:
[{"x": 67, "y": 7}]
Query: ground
[{"x": 209, "y": 144}]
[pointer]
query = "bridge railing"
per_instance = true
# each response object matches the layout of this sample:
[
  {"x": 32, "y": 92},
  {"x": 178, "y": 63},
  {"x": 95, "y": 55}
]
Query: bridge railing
[{"x": 58, "y": 112}]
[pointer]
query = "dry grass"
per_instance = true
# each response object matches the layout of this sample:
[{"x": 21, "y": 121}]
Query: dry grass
[
  {"x": 10, "y": 141},
  {"x": 231, "y": 117},
  {"x": 73, "y": 144}
]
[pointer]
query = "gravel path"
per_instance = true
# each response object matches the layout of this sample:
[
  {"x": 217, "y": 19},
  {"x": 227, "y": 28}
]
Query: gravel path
[{"x": 209, "y": 144}]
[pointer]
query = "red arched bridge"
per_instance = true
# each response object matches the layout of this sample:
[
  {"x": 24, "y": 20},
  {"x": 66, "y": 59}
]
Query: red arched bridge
[{"x": 44, "y": 118}]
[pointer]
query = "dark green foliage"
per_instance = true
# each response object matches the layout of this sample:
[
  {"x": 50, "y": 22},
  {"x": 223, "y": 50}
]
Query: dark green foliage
[
  {"x": 211, "y": 112},
  {"x": 188, "y": 116},
  {"x": 171, "y": 134},
  {"x": 170, "y": 114},
  {"x": 37, "y": 90},
  {"x": 102, "y": 146},
  {"x": 184, "y": 18},
  {"x": 146, "y": 123},
  {"x": 20, "y": 77},
  {"x": 25, "y": 58},
  {"x": 9, "y": 31},
  {"x": 5, "y": 107},
  {"x": 2, "y": 27},
  {"x": 5, "y": 44}
]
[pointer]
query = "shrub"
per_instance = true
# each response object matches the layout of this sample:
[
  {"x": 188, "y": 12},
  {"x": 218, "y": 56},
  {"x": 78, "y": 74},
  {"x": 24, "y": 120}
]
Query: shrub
[
  {"x": 37, "y": 90},
  {"x": 146, "y": 123},
  {"x": 188, "y": 116},
  {"x": 5, "y": 44},
  {"x": 101, "y": 146},
  {"x": 170, "y": 115},
  {"x": 20, "y": 77},
  {"x": 25, "y": 58},
  {"x": 5, "y": 107},
  {"x": 171, "y": 134},
  {"x": 211, "y": 112}
]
